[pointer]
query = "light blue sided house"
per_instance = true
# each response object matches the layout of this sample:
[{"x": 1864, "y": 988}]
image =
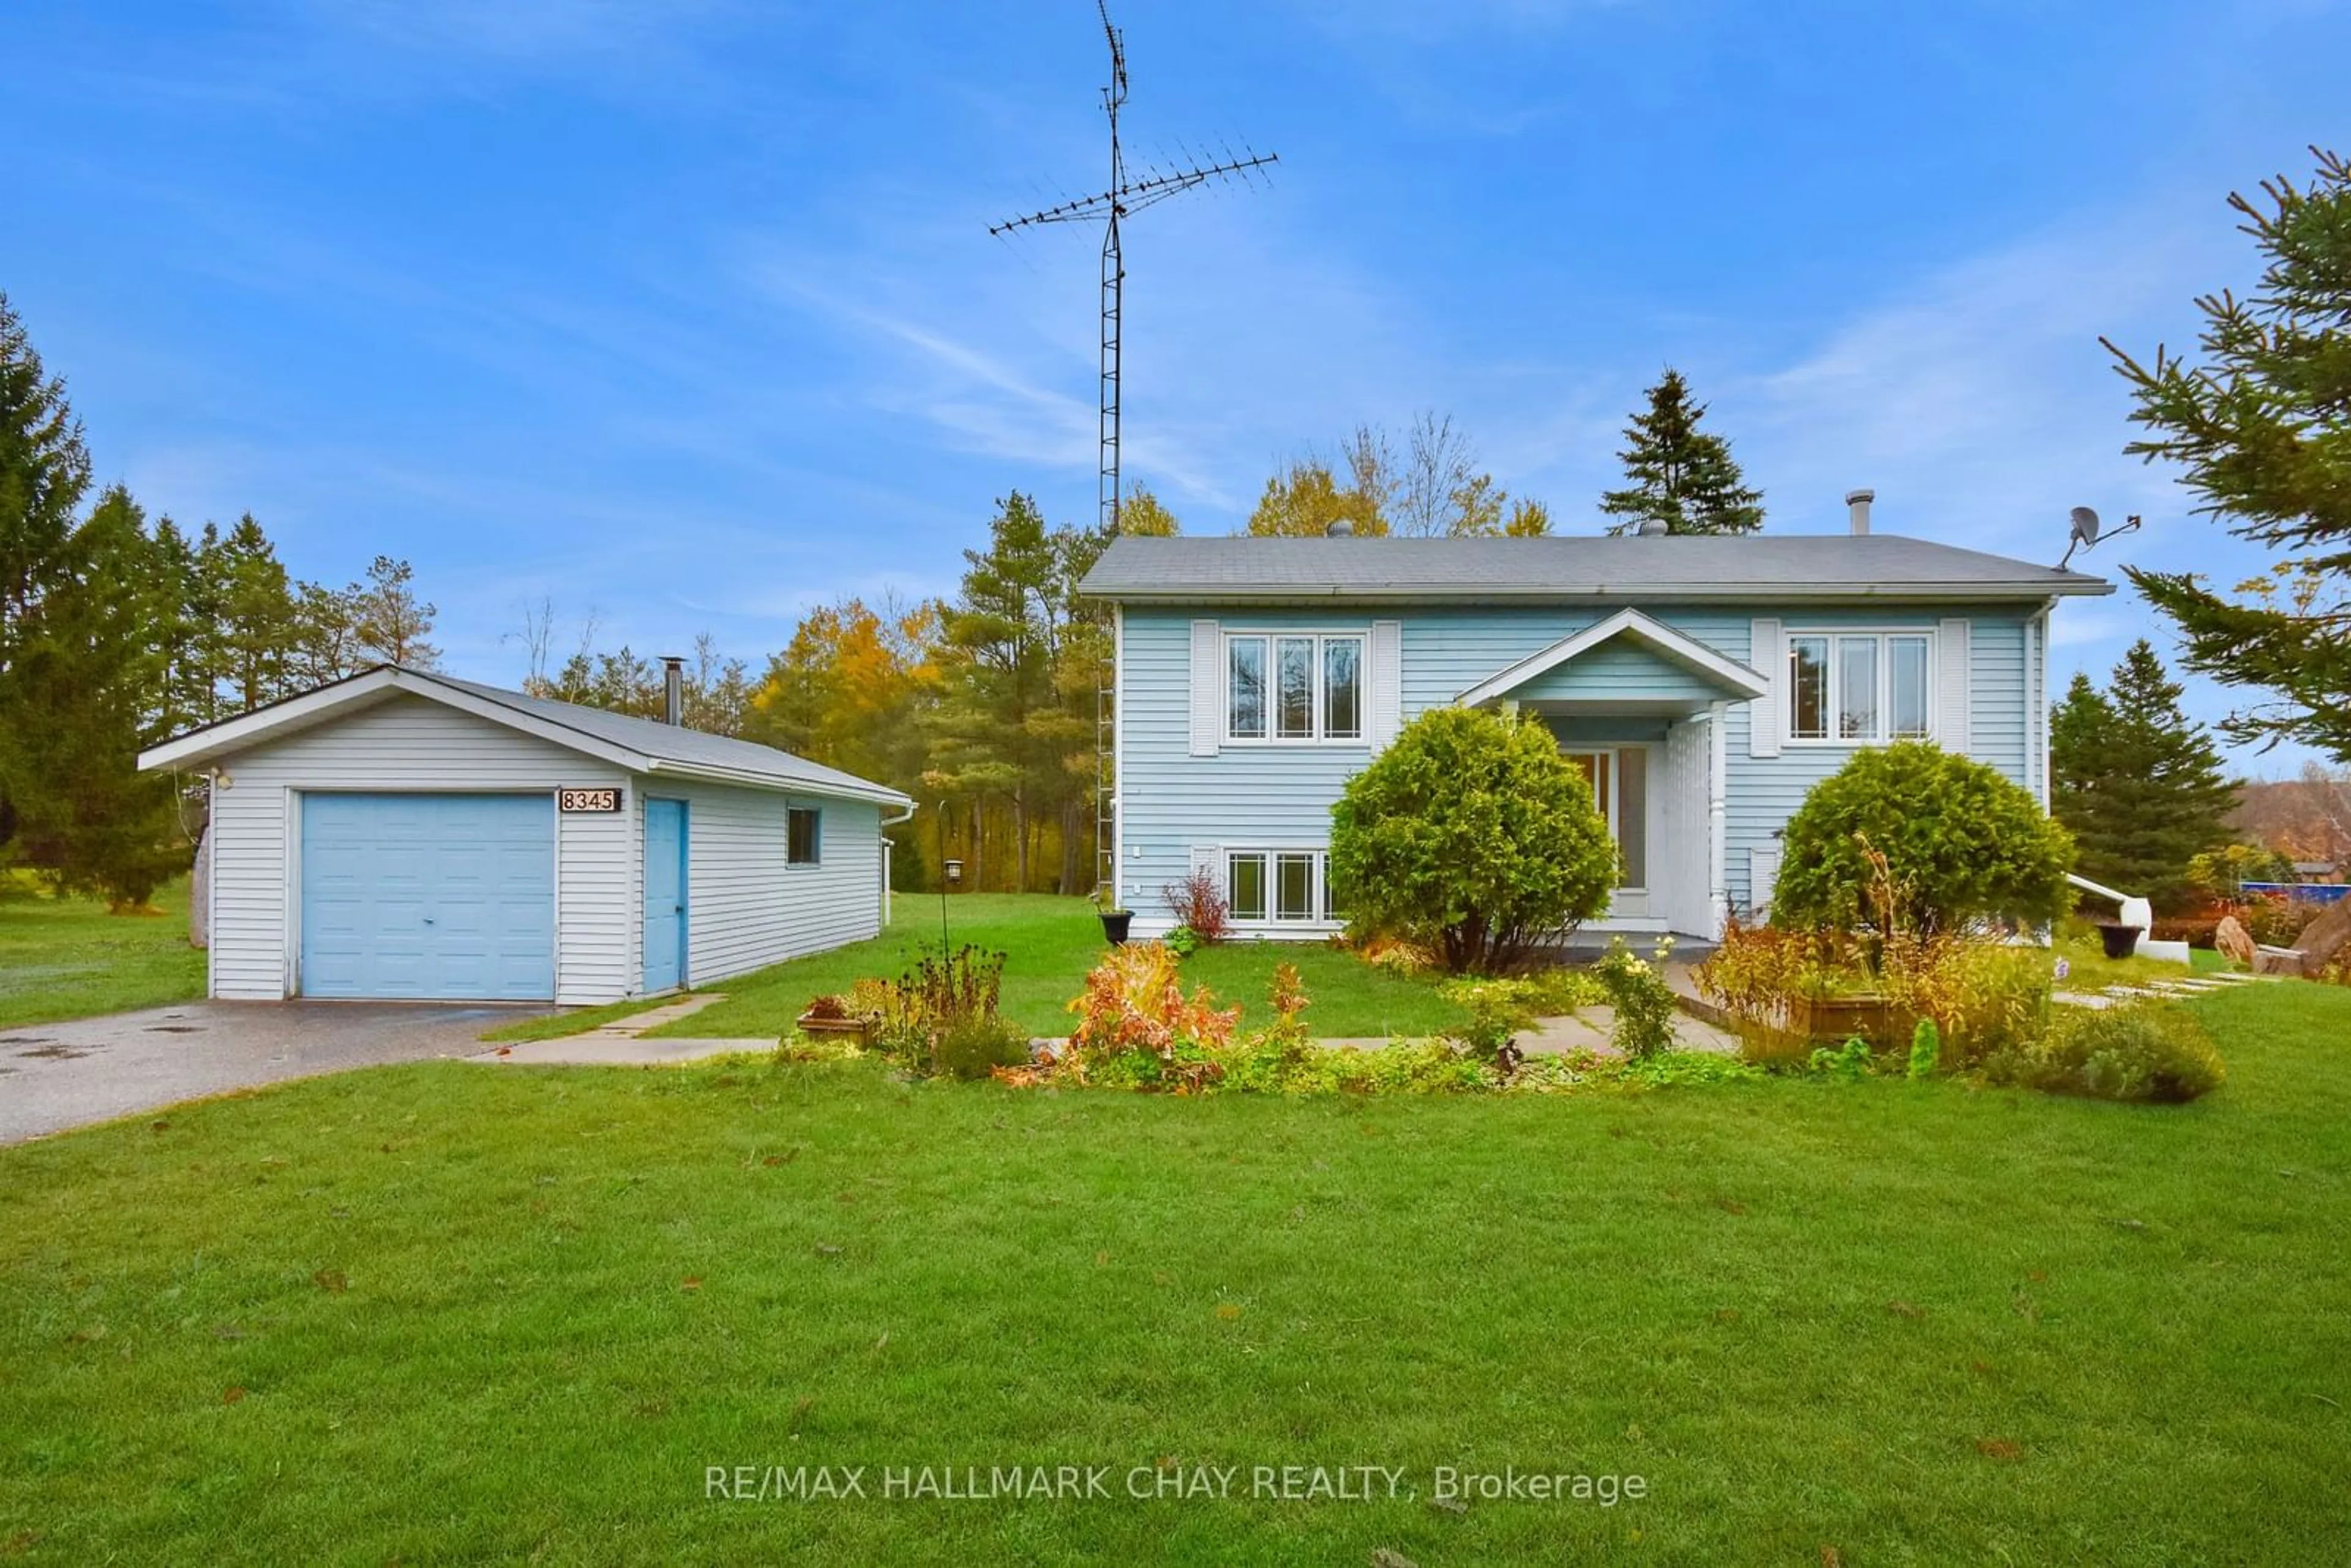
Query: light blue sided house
[{"x": 1703, "y": 685}]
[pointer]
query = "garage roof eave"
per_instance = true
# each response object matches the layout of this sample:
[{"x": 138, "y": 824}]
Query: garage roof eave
[
  {"x": 875, "y": 794},
  {"x": 559, "y": 724}
]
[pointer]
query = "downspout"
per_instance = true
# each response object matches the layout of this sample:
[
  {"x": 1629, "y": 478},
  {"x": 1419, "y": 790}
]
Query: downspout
[{"x": 2041, "y": 708}]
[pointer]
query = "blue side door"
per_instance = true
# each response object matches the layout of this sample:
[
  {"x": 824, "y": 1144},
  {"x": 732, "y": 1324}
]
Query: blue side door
[
  {"x": 664, "y": 895},
  {"x": 428, "y": 897}
]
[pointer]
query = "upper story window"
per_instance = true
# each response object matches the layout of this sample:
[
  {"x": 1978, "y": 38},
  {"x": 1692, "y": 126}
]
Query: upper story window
[
  {"x": 1858, "y": 687},
  {"x": 803, "y": 835},
  {"x": 1293, "y": 686}
]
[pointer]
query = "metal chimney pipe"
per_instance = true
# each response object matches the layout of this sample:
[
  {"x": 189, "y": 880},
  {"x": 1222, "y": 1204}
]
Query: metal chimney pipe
[
  {"x": 1858, "y": 501},
  {"x": 673, "y": 691}
]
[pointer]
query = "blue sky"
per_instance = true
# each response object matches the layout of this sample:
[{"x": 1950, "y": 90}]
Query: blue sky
[{"x": 683, "y": 312}]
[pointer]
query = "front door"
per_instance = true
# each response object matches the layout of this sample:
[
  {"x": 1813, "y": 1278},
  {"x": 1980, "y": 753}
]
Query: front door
[
  {"x": 665, "y": 894},
  {"x": 1619, "y": 776}
]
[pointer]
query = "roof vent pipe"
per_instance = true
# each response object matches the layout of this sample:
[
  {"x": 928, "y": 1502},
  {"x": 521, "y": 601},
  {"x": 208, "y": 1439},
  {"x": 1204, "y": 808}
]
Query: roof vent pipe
[
  {"x": 1340, "y": 528},
  {"x": 673, "y": 691},
  {"x": 1857, "y": 502},
  {"x": 1654, "y": 527}
]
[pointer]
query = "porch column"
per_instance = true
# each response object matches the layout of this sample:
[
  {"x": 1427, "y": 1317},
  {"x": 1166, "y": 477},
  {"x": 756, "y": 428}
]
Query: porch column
[{"x": 1718, "y": 778}]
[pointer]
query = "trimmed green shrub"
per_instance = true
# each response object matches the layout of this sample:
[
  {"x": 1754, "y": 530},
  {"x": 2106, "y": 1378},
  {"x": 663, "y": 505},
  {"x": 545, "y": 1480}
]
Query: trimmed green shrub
[
  {"x": 1473, "y": 835},
  {"x": 1960, "y": 842},
  {"x": 2146, "y": 1050}
]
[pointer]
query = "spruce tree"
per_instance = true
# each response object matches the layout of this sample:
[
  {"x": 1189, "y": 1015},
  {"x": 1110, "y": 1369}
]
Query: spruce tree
[
  {"x": 1681, "y": 475},
  {"x": 257, "y": 627},
  {"x": 2261, "y": 431},
  {"x": 2140, "y": 784},
  {"x": 44, "y": 474}
]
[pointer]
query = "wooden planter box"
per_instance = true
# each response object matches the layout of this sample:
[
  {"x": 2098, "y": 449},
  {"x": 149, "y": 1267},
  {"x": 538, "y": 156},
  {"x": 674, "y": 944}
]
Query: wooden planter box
[
  {"x": 1811, "y": 1022},
  {"x": 861, "y": 1029},
  {"x": 1832, "y": 1021}
]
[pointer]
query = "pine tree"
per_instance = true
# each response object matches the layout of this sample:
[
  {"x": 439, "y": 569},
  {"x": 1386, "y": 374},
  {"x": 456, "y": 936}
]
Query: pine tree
[
  {"x": 389, "y": 622},
  {"x": 2263, "y": 433},
  {"x": 2140, "y": 784},
  {"x": 1681, "y": 475},
  {"x": 91, "y": 820}
]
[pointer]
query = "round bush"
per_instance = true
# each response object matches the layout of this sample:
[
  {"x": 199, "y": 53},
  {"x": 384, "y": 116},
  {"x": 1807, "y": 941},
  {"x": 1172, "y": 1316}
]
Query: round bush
[
  {"x": 1471, "y": 835},
  {"x": 2149, "y": 1051},
  {"x": 1961, "y": 842}
]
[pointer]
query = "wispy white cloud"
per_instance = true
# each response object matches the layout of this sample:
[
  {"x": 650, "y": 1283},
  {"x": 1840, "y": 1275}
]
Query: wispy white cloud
[{"x": 1979, "y": 404}]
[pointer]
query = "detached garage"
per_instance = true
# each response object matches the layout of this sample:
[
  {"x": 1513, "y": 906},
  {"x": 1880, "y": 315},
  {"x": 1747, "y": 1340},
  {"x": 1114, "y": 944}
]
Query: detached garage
[{"x": 402, "y": 836}]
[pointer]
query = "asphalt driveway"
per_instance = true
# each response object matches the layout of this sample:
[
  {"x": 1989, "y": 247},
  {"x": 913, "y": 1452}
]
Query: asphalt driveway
[{"x": 58, "y": 1075}]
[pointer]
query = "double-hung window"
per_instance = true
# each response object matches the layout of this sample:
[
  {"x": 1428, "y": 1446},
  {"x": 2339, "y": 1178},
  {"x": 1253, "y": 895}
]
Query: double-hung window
[
  {"x": 1279, "y": 886},
  {"x": 1858, "y": 687},
  {"x": 1293, "y": 686}
]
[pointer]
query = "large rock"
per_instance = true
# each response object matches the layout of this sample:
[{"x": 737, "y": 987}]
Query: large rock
[
  {"x": 2235, "y": 943},
  {"x": 2277, "y": 961},
  {"x": 2325, "y": 937}
]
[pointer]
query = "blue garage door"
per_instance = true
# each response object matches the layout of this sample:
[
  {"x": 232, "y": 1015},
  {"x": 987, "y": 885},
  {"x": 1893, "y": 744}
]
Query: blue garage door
[{"x": 429, "y": 896}]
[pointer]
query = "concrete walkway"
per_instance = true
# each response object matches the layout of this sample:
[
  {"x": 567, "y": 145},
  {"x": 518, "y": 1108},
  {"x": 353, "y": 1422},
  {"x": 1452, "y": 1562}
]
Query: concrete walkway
[
  {"x": 54, "y": 1076},
  {"x": 2197, "y": 984},
  {"x": 621, "y": 1042}
]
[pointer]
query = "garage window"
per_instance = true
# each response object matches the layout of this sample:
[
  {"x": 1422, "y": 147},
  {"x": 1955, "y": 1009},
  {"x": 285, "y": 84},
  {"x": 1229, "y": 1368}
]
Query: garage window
[{"x": 804, "y": 835}]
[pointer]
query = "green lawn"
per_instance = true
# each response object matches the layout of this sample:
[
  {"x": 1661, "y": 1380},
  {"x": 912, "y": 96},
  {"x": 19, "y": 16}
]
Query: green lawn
[
  {"x": 2091, "y": 969},
  {"x": 450, "y": 1313},
  {"x": 1051, "y": 943},
  {"x": 68, "y": 957}
]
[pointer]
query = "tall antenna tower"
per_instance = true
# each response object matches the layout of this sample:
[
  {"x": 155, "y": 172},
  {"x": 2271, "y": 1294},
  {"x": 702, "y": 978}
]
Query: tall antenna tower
[{"x": 1125, "y": 196}]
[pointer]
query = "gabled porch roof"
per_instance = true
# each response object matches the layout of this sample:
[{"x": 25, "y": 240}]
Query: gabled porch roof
[{"x": 1624, "y": 661}]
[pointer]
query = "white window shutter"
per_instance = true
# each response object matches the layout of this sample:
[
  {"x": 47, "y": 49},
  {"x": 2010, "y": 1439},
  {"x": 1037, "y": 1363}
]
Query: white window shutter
[
  {"x": 1384, "y": 683},
  {"x": 1952, "y": 698},
  {"x": 1768, "y": 714},
  {"x": 1762, "y": 876},
  {"x": 1207, "y": 688},
  {"x": 1205, "y": 857}
]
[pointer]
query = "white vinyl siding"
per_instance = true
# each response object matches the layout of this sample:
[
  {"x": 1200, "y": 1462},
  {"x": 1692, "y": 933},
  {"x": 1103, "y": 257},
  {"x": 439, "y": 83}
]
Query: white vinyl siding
[
  {"x": 404, "y": 744},
  {"x": 747, "y": 908},
  {"x": 743, "y": 909}
]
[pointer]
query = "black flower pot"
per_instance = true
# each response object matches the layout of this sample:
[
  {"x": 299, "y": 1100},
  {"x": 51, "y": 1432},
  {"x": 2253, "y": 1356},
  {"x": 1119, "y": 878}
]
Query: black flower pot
[
  {"x": 2121, "y": 940},
  {"x": 1114, "y": 925}
]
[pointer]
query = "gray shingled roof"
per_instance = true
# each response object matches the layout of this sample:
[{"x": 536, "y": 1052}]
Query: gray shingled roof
[
  {"x": 643, "y": 744},
  {"x": 1765, "y": 566},
  {"x": 674, "y": 742}
]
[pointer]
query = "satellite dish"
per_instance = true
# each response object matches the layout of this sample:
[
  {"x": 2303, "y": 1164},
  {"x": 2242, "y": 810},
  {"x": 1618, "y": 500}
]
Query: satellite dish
[{"x": 2086, "y": 531}]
